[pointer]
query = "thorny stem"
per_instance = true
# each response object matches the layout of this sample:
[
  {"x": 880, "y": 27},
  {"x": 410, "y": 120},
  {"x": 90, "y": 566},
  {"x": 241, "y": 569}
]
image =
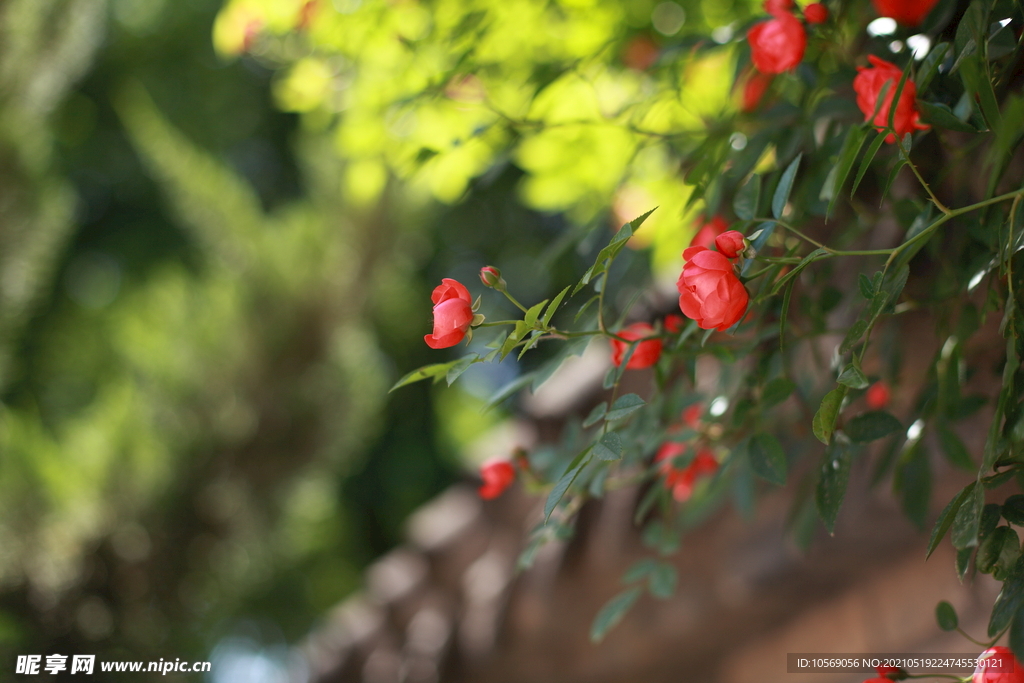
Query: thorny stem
[{"x": 913, "y": 167}]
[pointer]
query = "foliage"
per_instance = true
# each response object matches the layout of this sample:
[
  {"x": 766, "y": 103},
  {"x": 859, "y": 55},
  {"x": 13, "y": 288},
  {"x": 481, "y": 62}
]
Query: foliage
[{"x": 853, "y": 220}]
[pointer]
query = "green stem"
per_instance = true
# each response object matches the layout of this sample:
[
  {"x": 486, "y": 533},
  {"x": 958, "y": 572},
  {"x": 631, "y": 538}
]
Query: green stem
[
  {"x": 513, "y": 300},
  {"x": 913, "y": 167},
  {"x": 819, "y": 245}
]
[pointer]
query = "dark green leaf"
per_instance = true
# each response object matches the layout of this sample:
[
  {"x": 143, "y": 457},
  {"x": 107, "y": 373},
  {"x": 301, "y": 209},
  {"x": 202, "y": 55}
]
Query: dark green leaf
[
  {"x": 825, "y": 419},
  {"x": 930, "y": 66},
  {"x": 942, "y": 116},
  {"x": 639, "y": 570},
  {"x": 963, "y": 560},
  {"x": 964, "y": 532},
  {"x": 777, "y": 391},
  {"x": 624, "y": 406},
  {"x": 998, "y": 552},
  {"x": 509, "y": 389},
  {"x": 595, "y": 415},
  {"x": 852, "y": 377},
  {"x": 954, "y": 448},
  {"x": 847, "y": 156},
  {"x": 608, "y": 447},
  {"x": 832, "y": 480},
  {"x": 872, "y": 425},
  {"x": 785, "y": 186},
  {"x": 427, "y": 371},
  {"x": 807, "y": 260},
  {"x": 974, "y": 73},
  {"x": 1017, "y": 634},
  {"x": 853, "y": 335},
  {"x": 662, "y": 581},
  {"x": 946, "y": 616},
  {"x": 900, "y": 163},
  {"x": 787, "y": 297},
  {"x": 767, "y": 458},
  {"x": 562, "y": 485},
  {"x": 1007, "y": 603},
  {"x": 747, "y": 198},
  {"x": 1013, "y": 509},
  {"x": 867, "y": 287},
  {"x": 865, "y": 162},
  {"x": 585, "y": 306},
  {"x": 612, "y": 613},
  {"x": 947, "y": 516}
]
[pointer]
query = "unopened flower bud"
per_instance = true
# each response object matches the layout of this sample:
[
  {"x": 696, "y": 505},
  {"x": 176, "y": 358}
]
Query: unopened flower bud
[{"x": 491, "y": 277}]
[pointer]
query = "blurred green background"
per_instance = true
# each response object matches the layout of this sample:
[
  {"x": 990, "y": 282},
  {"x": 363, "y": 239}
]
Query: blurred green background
[{"x": 207, "y": 285}]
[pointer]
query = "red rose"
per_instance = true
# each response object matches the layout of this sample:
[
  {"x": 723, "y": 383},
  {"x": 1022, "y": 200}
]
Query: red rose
[
  {"x": 730, "y": 243},
  {"x": 878, "y": 397},
  {"x": 691, "y": 416},
  {"x": 816, "y": 13},
  {"x": 491, "y": 277},
  {"x": 707, "y": 233},
  {"x": 869, "y": 82},
  {"x": 754, "y": 89},
  {"x": 498, "y": 475},
  {"x": 674, "y": 323},
  {"x": 878, "y": 680},
  {"x": 647, "y": 352},
  {"x": 777, "y": 45},
  {"x": 777, "y": 7},
  {"x": 681, "y": 480},
  {"x": 709, "y": 291},
  {"x": 453, "y": 313},
  {"x": 906, "y": 12},
  {"x": 1005, "y": 667}
]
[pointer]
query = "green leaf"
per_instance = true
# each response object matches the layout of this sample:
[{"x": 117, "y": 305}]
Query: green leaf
[
  {"x": 867, "y": 287},
  {"x": 978, "y": 82},
  {"x": 1013, "y": 509},
  {"x": 896, "y": 97},
  {"x": 964, "y": 532},
  {"x": 460, "y": 367},
  {"x": 777, "y": 391},
  {"x": 767, "y": 458},
  {"x": 963, "y": 560},
  {"x": 662, "y": 581},
  {"x": 555, "y": 303},
  {"x": 785, "y": 186},
  {"x": 426, "y": 372},
  {"x": 612, "y": 613},
  {"x": 853, "y": 335},
  {"x": 807, "y": 260},
  {"x": 639, "y": 570},
  {"x": 942, "y": 116},
  {"x": 533, "y": 313},
  {"x": 825, "y": 419},
  {"x": 872, "y": 425},
  {"x": 946, "y": 616},
  {"x": 832, "y": 481},
  {"x": 900, "y": 163},
  {"x": 509, "y": 389},
  {"x": 787, "y": 297},
  {"x": 747, "y": 198},
  {"x": 1017, "y": 634},
  {"x": 947, "y": 515},
  {"x": 865, "y": 162},
  {"x": 595, "y": 415},
  {"x": 608, "y": 447},
  {"x": 563, "y": 484},
  {"x": 954, "y": 448},
  {"x": 624, "y": 406},
  {"x": 852, "y": 377},
  {"x": 1006, "y": 605},
  {"x": 847, "y": 155},
  {"x": 585, "y": 306},
  {"x": 998, "y": 552},
  {"x": 930, "y": 66}
]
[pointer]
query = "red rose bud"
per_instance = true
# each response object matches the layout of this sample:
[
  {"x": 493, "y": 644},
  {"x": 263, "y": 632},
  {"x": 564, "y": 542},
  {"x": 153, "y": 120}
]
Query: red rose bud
[
  {"x": 906, "y": 12},
  {"x": 777, "y": 45},
  {"x": 691, "y": 416},
  {"x": 868, "y": 84},
  {"x": 816, "y": 13},
  {"x": 877, "y": 398},
  {"x": 705, "y": 237},
  {"x": 646, "y": 353},
  {"x": 1003, "y": 668},
  {"x": 754, "y": 88},
  {"x": 730, "y": 243},
  {"x": 491, "y": 277},
  {"x": 674, "y": 323},
  {"x": 498, "y": 475},
  {"x": 709, "y": 291},
  {"x": 777, "y": 7},
  {"x": 453, "y": 314},
  {"x": 682, "y": 480}
]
